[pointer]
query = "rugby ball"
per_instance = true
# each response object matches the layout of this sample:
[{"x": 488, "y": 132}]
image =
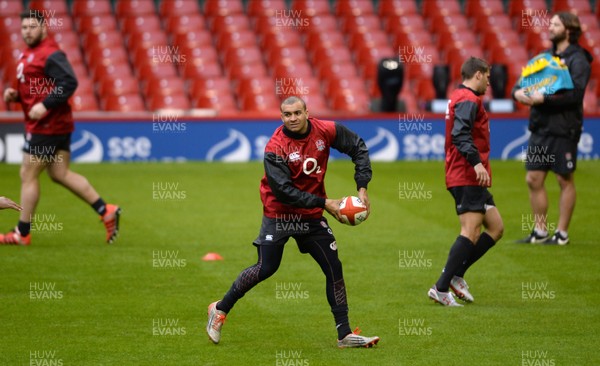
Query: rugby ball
[{"x": 353, "y": 211}]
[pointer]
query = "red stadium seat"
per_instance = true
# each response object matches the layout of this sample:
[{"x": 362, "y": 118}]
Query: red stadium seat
[
  {"x": 297, "y": 86},
  {"x": 318, "y": 40},
  {"x": 336, "y": 70},
  {"x": 79, "y": 70},
  {"x": 350, "y": 103},
  {"x": 207, "y": 87},
  {"x": 411, "y": 42},
  {"x": 237, "y": 39},
  {"x": 85, "y": 85},
  {"x": 335, "y": 53},
  {"x": 412, "y": 23},
  {"x": 354, "y": 8},
  {"x": 199, "y": 54},
  {"x": 286, "y": 55},
  {"x": 214, "y": 8},
  {"x": 126, "y": 8},
  {"x": 10, "y": 25},
  {"x": 398, "y": 8},
  {"x": 193, "y": 38},
  {"x": 58, "y": 23},
  {"x": 262, "y": 103},
  {"x": 256, "y": 88},
  {"x": 181, "y": 24},
  {"x": 90, "y": 8},
  {"x": 294, "y": 70},
  {"x": 10, "y": 8},
  {"x": 347, "y": 85},
  {"x": 373, "y": 55},
  {"x": 368, "y": 40},
  {"x": 102, "y": 40},
  {"x": 221, "y": 103},
  {"x": 118, "y": 86},
  {"x": 483, "y": 8},
  {"x": 449, "y": 23},
  {"x": 280, "y": 40},
  {"x": 425, "y": 90},
  {"x": 123, "y": 103},
  {"x": 200, "y": 70},
  {"x": 50, "y": 8},
  {"x": 114, "y": 71},
  {"x": 74, "y": 55},
  {"x": 577, "y": 7},
  {"x": 590, "y": 101},
  {"x": 457, "y": 56},
  {"x": 240, "y": 72},
  {"x": 509, "y": 55},
  {"x": 458, "y": 39},
  {"x": 310, "y": 8},
  {"x": 85, "y": 102},
  {"x": 321, "y": 23},
  {"x": 589, "y": 22},
  {"x": 178, "y": 7},
  {"x": 66, "y": 40},
  {"x": 242, "y": 55},
  {"x": 361, "y": 24},
  {"x": 524, "y": 8},
  {"x": 267, "y": 24},
  {"x": 154, "y": 70},
  {"x": 443, "y": 7},
  {"x": 506, "y": 38},
  {"x": 315, "y": 103},
  {"x": 96, "y": 23},
  {"x": 229, "y": 23},
  {"x": 140, "y": 23},
  {"x": 590, "y": 39},
  {"x": 146, "y": 39},
  {"x": 498, "y": 22},
  {"x": 537, "y": 41},
  {"x": 266, "y": 8},
  {"x": 106, "y": 56},
  {"x": 9, "y": 73},
  {"x": 159, "y": 101}
]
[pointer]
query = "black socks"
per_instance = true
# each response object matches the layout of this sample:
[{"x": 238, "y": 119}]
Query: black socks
[
  {"x": 459, "y": 253},
  {"x": 24, "y": 228},
  {"x": 484, "y": 243},
  {"x": 99, "y": 206}
]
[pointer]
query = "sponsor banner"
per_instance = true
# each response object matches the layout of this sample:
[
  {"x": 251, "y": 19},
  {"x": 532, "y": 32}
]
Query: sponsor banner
[{"x": 236, "y": 141}]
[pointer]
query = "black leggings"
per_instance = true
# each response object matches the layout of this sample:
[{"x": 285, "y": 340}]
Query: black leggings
[{"x": 269, "y": 258}]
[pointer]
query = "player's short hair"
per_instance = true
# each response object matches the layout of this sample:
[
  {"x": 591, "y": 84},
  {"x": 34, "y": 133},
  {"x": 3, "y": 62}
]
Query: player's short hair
[
  {"x": 291, "y": 100},
  {"x": 572, "y": 24},
  {"x": 472, "y": 65},
  {"x": 33, "y": 13}
]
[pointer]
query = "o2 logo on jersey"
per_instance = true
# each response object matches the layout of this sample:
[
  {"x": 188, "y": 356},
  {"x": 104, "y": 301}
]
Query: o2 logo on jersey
[{"x": 311, "y": 165}]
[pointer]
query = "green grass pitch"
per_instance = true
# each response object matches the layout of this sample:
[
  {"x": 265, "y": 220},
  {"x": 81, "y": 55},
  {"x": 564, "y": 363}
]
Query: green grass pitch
[{"x": 71, "y": 299}]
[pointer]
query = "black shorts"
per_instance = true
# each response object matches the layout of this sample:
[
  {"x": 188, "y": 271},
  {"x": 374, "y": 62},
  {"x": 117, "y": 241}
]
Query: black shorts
[
  {"x": 545, "y": 153},
  {"x": 277, "y": 231},
  {"x": 46, "y": 145},
  {"x": 472, "y": 199}
]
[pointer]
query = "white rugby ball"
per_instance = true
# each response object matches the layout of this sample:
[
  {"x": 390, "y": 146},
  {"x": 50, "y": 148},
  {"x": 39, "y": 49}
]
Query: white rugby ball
[{"x": 353, "y": 211}]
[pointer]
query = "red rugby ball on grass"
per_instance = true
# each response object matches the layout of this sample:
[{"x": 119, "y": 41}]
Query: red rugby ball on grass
[{"x": 353, "y": 211}]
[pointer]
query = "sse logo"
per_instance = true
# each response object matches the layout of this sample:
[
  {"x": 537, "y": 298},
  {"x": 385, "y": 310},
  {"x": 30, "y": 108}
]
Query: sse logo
[
  {"x": 129, "y": 148},
  {"x": 423, "y": 146}
]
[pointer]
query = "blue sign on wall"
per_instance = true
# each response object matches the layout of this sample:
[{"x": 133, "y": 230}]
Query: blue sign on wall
[{"x": 408, "y": 138}]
